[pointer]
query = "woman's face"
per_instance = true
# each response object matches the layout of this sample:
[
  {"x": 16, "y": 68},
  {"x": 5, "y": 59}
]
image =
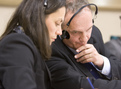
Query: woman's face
[{"x": 53, "y": 22}]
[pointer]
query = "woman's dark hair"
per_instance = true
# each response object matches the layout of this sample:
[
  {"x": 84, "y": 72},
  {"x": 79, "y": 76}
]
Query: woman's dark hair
[{"x": 31, "y": 16}]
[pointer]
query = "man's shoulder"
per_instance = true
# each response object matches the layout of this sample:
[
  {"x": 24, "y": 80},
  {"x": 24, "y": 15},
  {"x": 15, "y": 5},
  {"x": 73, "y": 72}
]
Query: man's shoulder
[{"x": 95, "y": 30}]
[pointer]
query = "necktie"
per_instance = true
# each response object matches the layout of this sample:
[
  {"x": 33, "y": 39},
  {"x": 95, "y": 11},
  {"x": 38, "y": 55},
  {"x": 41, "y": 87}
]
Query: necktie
[
  {"x": 89, "y": 66},
  {"x": 92, "y": 70}
]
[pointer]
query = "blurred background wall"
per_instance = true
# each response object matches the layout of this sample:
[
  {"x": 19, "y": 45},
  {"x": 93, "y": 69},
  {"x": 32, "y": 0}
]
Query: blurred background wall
[
  {"x": 5, "y": 14},
  {"x": 109, "y": 24},
  {"x": 107, "y": 19}
]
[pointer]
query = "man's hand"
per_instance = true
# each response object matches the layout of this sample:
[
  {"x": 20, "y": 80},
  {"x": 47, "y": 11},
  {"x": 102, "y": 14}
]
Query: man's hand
[{"x": 88, "y": 53}]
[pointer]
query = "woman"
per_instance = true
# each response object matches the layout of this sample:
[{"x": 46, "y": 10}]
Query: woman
[{"x": 25, "y": 45}]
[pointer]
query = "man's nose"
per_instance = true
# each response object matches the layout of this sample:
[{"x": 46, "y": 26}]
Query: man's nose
[{"x": 83, "y": 38}]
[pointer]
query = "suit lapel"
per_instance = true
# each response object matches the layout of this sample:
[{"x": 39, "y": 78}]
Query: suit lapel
[
  {"x": 93, "y": 41},
  {"x": 72, "y": 61}
]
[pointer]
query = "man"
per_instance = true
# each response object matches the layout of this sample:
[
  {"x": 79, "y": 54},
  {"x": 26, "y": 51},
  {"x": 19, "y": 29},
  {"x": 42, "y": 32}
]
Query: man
[{"x": 84, "y": 48}]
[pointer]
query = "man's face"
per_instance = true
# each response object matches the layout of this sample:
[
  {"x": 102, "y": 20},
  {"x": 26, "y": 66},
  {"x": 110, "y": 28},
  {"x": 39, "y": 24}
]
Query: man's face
[{"x": 79, "y": 29}]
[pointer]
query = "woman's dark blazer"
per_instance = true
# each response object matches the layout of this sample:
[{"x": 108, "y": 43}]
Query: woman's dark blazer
[
  {"x": 21, "y": 65},
  {"x": 68, "y": 74}
]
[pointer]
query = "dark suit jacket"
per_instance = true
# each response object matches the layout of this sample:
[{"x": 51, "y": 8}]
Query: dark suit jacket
[
  {"x": 21, "y": 65},
  {"x": 68, "y": 74}
]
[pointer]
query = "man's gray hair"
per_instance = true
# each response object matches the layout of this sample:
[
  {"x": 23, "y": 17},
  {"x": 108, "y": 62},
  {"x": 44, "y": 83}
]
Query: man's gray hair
[{"x": 74, "y": 5}]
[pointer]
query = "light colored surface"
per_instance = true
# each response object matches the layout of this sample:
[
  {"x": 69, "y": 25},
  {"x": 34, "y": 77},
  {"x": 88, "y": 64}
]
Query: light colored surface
[
  {"x": 5, "y": 14},
  {"x": 109, "y": 23},
  {"x": 108, "y": 17},
  {"x": 107, "y": 4},
  {"x": 10, "y": 2}
]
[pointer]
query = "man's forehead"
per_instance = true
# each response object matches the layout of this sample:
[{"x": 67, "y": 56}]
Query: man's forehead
[{"x": 79, "y": 27}]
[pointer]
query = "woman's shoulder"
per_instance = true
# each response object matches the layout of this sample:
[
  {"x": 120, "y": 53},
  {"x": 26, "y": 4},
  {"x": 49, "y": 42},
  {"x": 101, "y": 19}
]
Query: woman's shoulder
[
  {"x": 16, "y": 38},
  {"x": 20, "y": 42},
  {"x": 19, "y": 45}
]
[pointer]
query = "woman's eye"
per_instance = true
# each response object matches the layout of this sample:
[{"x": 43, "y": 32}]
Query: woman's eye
[{"x": 58, "y": 24}]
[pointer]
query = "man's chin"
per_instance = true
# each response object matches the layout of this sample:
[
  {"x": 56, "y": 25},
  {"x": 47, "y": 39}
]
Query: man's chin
[{"x": 77, "y": 46}]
